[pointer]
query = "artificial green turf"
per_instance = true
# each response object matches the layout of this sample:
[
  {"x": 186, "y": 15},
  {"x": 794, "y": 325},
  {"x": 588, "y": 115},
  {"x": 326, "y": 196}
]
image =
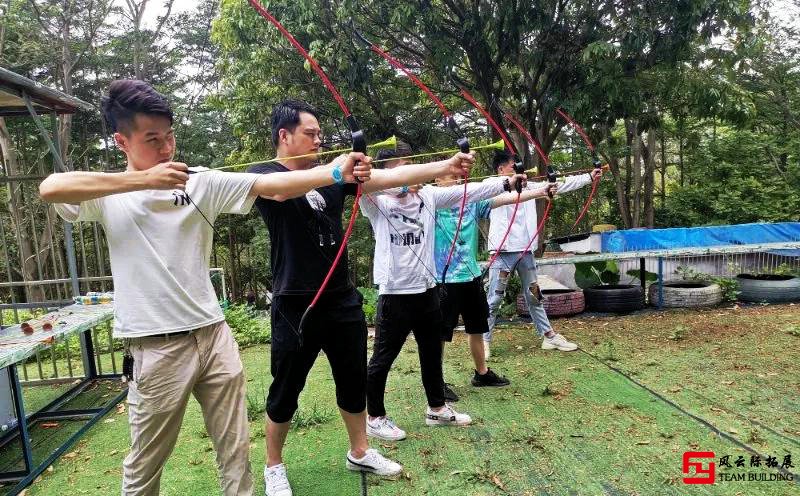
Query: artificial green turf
[{"x": 568, "y": 424}]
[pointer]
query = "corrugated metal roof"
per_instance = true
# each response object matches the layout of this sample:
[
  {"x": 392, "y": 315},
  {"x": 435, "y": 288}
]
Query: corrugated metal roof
[{"x": 44, "y": 99}]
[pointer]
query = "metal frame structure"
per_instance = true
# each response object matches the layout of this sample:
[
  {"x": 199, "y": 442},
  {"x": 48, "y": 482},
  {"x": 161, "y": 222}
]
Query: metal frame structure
[{"x": 20, "y": 96}]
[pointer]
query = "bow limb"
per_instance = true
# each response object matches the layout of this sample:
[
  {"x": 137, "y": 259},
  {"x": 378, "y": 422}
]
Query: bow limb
[
  {"x": 598, "y": 165},
  {"x": 356, "y": 136},
  {"x": 449, "y": 122},
  {"x": 551, "y": 176},
  {"x": 518, "y": 167}
]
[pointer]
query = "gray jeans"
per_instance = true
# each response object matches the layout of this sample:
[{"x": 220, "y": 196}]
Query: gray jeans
[{"x": 499, "y": 273}]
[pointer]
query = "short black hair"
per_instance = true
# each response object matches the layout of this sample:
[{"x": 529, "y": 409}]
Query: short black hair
[
  {"x": 401, "y": 149},
  {"x": 286, "y": 115},
  {"x": 500, "y": 158},
  {"x": 128, "y": 97}
]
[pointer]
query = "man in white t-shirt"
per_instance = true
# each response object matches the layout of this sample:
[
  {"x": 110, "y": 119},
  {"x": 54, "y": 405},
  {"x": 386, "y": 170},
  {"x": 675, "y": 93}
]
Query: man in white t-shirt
[
  {"x": 408, "y": 301},
  {"x": 158, "y": 221}
]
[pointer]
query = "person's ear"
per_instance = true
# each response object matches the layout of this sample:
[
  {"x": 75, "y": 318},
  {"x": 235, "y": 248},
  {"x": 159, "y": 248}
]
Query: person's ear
[{"x": 122, "y": 142}]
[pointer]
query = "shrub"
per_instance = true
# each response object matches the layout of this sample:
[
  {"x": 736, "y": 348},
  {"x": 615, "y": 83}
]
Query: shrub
[
  {"x": 248, "y": 326},
  {"x": 370, "y": 303}
]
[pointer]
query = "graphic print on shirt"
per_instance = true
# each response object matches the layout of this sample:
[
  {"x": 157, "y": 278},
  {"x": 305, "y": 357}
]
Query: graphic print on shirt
[
  {"x": 181, "y": 198},
  {"x": 319, "y": 223},
  {"x": 408, "y": 231},
  {"x": 316, "y": 200}
]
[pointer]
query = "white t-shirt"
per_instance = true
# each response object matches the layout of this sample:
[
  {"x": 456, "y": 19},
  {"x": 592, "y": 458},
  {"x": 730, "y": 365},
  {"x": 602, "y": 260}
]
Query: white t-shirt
[
  {"x": 404, "y": 249},
  {"x": 160, "y": 247}
]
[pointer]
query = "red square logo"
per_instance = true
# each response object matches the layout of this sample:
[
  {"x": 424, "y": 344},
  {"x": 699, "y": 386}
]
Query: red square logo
[{"x": 701, "y": 475}]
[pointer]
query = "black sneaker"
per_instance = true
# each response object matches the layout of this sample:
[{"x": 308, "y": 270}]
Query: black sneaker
[
  {"x": 449, "y": 394},
  {"x": 489, "y": 379}
]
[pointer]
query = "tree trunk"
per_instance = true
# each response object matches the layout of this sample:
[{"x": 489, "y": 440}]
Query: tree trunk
[
  {"x": 16, "y": 204},
  {"x": 64, "y": 130},
  {"x": 649, "y": 178},
  {"x": 663, "y": 168},
  {"x": 636, "y": 177},
  {"x": 619, "y": 181}
]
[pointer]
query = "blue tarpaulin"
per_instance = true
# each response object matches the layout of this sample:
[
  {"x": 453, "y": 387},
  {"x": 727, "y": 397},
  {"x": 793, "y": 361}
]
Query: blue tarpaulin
[{"x": 698, "y": 237}]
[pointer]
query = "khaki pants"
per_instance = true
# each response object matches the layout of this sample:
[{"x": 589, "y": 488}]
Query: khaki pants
[{"x": 165, "y": 371}]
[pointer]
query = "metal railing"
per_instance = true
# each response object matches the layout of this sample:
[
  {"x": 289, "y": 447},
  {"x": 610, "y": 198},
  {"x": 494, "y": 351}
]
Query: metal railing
[{"x": 726, "y": 261}]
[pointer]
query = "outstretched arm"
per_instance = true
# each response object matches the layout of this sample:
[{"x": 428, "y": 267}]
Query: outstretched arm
[
  {"x": 536, "y": 191},
  {"x": 292, "y": 184},
  {"x": 79, "y": 186},
  {"x": 459, "y": 164}
]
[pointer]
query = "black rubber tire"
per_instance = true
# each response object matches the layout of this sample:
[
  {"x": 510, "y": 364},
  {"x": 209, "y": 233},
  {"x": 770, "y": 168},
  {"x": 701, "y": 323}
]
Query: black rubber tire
[
  {"x": 686, "y": 294},
  {"x": 557, "y": 303},
  {"x": 616, "y": 298},
  {"x": 768, "y": 288}
]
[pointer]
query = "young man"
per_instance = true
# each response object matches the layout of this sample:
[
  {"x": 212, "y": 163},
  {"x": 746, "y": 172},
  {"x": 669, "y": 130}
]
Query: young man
[
  {"x": 306, "y": 233},
  {"x": 408, "y": 298},
  {"x": 463, "y": 293},
  {"x": 158, "y": 222},
  {"x": 511, "y": 258}
]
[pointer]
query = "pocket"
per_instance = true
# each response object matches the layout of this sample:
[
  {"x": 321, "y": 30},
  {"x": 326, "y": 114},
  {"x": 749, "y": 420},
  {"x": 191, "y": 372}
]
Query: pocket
[
  {"x": 225, "y": 352},
  {"x": 162, "y": 375}
]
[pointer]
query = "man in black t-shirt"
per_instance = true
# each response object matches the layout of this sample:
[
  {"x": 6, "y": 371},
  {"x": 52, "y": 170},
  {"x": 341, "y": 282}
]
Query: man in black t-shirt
[{"x": 306, "y": 233}]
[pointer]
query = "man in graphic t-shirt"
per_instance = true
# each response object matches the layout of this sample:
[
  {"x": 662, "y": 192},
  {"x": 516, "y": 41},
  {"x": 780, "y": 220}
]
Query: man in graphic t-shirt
[
  {"x": 158, "y": 222},
  {"x": 408, "y": 300},
  {"x": 305, "y": 234}
]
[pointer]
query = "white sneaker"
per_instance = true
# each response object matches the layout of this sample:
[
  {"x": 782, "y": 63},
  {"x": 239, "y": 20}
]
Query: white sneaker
[
  {"x": 375, "y": 463},
  {"x": 487, "y": 350},
  {"x": 384, "y": 428},
  {"x": 446, "y": 416},
  {"x": 558, "y": 342},
  {"x": 276, "y": 482}
]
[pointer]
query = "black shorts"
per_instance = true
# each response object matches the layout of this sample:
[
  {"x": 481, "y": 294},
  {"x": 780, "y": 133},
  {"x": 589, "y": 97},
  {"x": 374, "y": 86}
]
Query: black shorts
[
  {"x": 335, "y": 326},
  {"x": 467, "y": 299}
]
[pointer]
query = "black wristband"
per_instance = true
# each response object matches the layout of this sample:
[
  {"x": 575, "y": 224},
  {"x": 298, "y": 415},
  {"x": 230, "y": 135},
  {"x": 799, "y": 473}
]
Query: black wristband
[{"x": 507, "y": 185}]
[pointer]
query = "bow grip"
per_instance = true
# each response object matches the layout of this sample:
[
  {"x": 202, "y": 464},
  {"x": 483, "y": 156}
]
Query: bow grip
[
  {"x": 463, "y": 145},
  {"x": 357, "y": 137},
  {"x": 551, "y": 178},
  {"x": 463, "y": 142},
  {"x": 519, "y": 169}
]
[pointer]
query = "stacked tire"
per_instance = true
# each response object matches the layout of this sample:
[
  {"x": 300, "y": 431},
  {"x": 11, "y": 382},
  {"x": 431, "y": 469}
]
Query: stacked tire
[
  {"x": 557, "y": 303},
  {"x": 685, "y": 294},
  {"x": 614, "y": 298},
  {"x": 768, "y": 288}
]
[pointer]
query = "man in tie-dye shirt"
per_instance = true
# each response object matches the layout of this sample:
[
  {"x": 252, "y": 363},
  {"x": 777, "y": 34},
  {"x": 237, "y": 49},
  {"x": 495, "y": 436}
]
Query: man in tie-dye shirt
[{"x": 463, "y": 294}]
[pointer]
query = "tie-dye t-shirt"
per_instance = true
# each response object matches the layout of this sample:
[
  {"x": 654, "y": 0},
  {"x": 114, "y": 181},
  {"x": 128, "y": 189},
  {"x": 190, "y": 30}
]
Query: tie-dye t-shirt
[{"x": 463, "y": 266}]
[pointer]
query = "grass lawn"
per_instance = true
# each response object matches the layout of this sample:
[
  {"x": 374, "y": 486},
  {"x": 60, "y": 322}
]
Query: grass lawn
[{"x": 568, "y": 424}]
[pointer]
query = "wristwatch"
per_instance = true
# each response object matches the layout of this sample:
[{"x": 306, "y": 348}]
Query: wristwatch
[
  {"x": 336, "y": 174},
  {"x": 507, "y": 185}
]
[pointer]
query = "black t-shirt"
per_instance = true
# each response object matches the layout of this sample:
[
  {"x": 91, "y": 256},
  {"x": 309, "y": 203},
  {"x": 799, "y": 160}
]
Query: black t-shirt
[{"x": 306, "y": 233}]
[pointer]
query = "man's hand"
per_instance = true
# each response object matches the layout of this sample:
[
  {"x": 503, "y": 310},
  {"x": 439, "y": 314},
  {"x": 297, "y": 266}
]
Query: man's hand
[
  {"x": 356, "y": 165},
  {"x": 169, "y": 175},
  {"x": 551, "y": 189},
  {"x": 460, "y": 163},
  {"x": 596, "y": 174},
  {"x": 517, "y": 178}
]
